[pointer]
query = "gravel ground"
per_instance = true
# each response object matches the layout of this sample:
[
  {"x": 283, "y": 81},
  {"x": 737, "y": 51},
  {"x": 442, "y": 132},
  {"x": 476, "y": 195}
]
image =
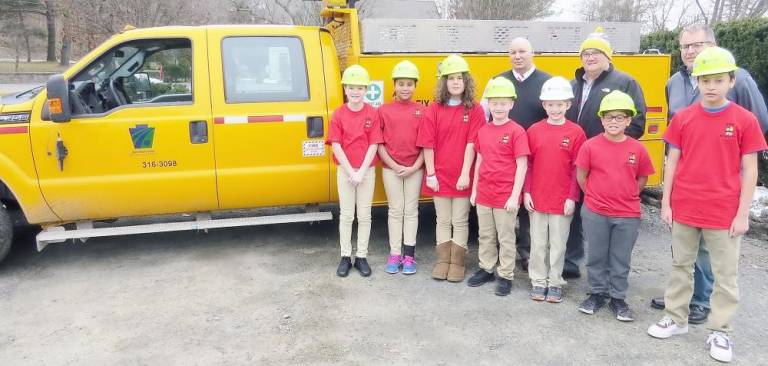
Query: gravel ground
[{"x": 269, "y": 295}]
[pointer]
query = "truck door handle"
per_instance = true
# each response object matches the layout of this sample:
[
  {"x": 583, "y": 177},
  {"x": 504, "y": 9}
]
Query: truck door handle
[
  {"x": 314, "y": 127},
  {"x": 198, "y": 132}
]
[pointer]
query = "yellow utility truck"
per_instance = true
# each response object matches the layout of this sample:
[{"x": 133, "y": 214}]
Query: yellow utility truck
[{"x": 201, "y": 122}]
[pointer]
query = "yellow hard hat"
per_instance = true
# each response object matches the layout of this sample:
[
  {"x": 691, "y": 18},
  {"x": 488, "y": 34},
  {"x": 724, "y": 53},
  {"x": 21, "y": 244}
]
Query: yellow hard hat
[
  {"x": 617, "y": 101},
  {"x": 355, "y": 75},
  {"x": 453, "y": 64},
  {"x": 713, "y": 60},
  {"x": 556, "y": 88},
  {"x": 500, "y": 87},
  {"x": 597, "y": 41},
  {"x": 405, "y": 70}
]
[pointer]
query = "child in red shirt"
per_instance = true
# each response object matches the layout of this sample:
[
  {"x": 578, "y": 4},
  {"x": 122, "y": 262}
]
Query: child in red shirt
[
  {"x": 612, "y": 169},
  {"x": 709, "y": 180},
  {"x": 502, "y": 153},
  {"x": 402, "y": 173},
  {"x": 551, "y": 190},
  {"x": 354, "y": 134},
  {"x": 447, "y": 136}
]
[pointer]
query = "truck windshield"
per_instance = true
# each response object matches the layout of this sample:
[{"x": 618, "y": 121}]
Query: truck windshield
[{"x": 105, "y": 66}]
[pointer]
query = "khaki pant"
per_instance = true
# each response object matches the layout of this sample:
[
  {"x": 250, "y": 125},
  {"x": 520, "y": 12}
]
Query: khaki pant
[
  {"x": 724, "y": 257},
  {"x": 496, "y": 223},
  {"x": 549, "y": 233},
  {"x": 403, "y": 199},
  {"x": 351, "y": 197},
  {"x": 452, "y": 213}
]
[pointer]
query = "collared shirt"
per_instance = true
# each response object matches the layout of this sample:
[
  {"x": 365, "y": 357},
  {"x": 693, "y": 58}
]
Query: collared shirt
[
  {"x": 525, "y": 75},
  {"x": 585, "y": 92}
]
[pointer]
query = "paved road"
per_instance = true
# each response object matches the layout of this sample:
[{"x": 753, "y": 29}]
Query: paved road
[{"x": 269, "y": 296}]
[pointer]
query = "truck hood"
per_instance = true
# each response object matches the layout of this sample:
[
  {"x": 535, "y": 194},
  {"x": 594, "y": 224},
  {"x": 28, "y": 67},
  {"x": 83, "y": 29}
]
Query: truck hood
[{"x": 22, "y": 97}]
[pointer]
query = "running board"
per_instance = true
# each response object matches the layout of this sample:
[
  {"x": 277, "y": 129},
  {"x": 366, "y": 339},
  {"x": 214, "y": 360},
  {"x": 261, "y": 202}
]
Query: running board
[{"x": 85, "y": 230}]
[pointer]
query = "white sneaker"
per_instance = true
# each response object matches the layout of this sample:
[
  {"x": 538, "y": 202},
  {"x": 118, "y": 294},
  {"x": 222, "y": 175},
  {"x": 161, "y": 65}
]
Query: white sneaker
[
  {"x": 666, "y": 328},
  {"x": 720, "y": 347}
]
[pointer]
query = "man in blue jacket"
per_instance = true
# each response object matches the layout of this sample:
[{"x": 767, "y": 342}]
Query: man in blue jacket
[
  {"x": 596, "y": 78},
  {"x": 682, "y": 91}
]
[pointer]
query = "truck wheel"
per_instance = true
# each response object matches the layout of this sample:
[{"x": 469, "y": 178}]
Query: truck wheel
[{"x": 6, "y": 232}]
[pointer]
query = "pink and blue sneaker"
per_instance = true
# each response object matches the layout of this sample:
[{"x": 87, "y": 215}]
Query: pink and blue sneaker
[
  {"x": 409, "y": 265},
  {"x": 393, "y": 263}
]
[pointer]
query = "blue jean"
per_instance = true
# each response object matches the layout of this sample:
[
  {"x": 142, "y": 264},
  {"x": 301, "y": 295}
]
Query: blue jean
[{"x": 703, "y": 278}]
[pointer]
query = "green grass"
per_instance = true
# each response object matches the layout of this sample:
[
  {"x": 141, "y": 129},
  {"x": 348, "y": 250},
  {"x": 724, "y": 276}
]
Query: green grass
[{"x": 32, "y": 67}]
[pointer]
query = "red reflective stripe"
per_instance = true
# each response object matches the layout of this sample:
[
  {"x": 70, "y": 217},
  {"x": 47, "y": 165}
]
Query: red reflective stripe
[
  {"x": 654, "y": 109},
  {"x": 256, "y": 119},
  {"x": 12, "y": 130},
  {"x": 218, "y": 120}
]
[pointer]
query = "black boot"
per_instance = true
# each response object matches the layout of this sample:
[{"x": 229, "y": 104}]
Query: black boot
[
  {"x": 362, "y": 266},
  {"x": 344, "y": 265}
]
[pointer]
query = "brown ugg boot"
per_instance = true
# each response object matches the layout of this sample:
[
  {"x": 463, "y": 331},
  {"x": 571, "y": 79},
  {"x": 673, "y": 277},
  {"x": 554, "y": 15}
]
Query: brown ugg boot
[
  {"x": 456, "y": 269},
  {"x": 440, "y": 272}
]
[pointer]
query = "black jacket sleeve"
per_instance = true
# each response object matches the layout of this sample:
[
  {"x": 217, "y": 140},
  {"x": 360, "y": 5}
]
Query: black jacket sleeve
[{"x": 636, "y": 128}]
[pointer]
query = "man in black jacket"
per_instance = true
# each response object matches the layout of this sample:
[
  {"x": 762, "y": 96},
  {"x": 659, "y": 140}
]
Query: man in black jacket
[
  {"x": 526, "y": 111},
  {"x": 596, "y": 78}
]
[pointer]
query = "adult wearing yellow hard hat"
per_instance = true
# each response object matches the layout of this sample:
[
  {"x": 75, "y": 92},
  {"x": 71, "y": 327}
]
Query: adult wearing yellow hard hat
[
  {"x": 596, "y": 78},
  {"x": 682, "y": 91}
]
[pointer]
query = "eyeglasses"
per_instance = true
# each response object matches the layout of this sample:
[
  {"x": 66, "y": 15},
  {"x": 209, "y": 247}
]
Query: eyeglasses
[
  {"x": 588, "y": 54},
  {"x": 620, "y": 119},
  {"x": 694, "y": 45}
]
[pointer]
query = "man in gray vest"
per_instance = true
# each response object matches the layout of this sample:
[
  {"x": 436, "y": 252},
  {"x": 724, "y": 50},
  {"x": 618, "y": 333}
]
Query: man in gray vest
[
  {"x": 526, "y": 111},
  {"x": 682, "y": 92}
]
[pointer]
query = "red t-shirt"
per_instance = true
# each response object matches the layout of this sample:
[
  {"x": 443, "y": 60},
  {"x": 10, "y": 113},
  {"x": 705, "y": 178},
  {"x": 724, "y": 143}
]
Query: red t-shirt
[
  {"x": 614, "y": 167},
  {"x": 448, "y": 130},
  {"x": 499, "y": 146},
  {"x": 551, "y": 176},
  {"x": 400, "y": 124},
  {"x": 355, "y": 131},
  {"x": 707, "y": 181}
]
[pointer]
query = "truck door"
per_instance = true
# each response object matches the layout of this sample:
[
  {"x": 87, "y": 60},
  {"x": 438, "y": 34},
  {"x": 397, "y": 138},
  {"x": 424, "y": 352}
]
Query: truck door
[
  {"x": 270, "y": 109},
  {"x": 138, "y": 141}
]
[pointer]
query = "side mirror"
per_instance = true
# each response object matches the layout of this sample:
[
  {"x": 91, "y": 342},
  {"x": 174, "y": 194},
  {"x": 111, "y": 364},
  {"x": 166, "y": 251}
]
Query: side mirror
[
  {"x": 57, "y": 105},
  {"x": 142, "y": 82}
]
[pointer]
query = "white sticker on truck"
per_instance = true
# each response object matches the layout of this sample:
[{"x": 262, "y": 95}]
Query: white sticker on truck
[
  {"x": 313, "y": 148},
  {"x": 375, "y": 94}
]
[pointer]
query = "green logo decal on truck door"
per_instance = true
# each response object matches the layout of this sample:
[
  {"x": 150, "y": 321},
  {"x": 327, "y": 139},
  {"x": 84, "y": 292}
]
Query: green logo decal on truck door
[{"x": 142, "y": 136}]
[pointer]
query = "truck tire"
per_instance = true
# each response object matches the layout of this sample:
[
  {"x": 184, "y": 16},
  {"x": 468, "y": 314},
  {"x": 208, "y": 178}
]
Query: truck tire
[{"x": 6, "y": 232}]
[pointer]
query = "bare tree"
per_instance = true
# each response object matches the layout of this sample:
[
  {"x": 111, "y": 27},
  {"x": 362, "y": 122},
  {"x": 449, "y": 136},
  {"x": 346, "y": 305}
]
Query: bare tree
[
  {"x": 725, "y": 10},
  {"x": 614, "y": 10},
  {"x": 495, "y": 9},
  {"x": 296, "y": 12}
]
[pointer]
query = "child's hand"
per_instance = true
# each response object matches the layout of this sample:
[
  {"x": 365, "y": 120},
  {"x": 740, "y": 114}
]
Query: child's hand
[
  {"x": 432, "y": 183},
  {"x": 666, "y": 214},
  {"x": 739, "y": 226},
  {"x": 398, "y": 169},
  {"x": 356, "y": 178},
  {"x": 513, "y": 204},
  {"x": 463, "y": 182},
  {"x": 569, "y": 207},
  {"x": 406, "y": 171},
  {"x": 473, "y": 198},
  {"x": 528, "y": 202}
]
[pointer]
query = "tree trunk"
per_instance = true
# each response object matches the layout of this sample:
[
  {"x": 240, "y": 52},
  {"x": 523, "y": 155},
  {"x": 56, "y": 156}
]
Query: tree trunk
[
  {"x": 66, "y": 50},
  {"x": 50, "y": 19},
  {"x": 25, "y": 34}
]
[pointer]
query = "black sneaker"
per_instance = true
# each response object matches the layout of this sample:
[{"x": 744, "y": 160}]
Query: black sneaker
[
  {"x": 698, "y": 314},
  {"x": 592, "y": 304},
  {"x": 344, "y": 265},
  {"x": 362, "y": 266},
  {"x": 503, "y": 286},
  {"x": 621, "y": 310},
  {"x": 480, "y": 278},
  {"x": 571, "y": 275},
  {"x": 658, "y": 303}
]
